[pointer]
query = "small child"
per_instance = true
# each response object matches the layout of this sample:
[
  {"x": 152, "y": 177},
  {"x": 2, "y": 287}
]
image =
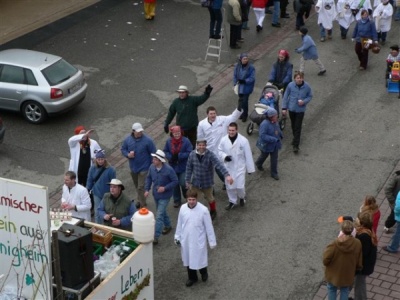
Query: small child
[
  {"x": 341, "y": 219},
  {"x": 268, "y": 99}
]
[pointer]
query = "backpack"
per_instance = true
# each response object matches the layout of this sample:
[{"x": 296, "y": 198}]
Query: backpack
[{"x": 206, "y": 3}]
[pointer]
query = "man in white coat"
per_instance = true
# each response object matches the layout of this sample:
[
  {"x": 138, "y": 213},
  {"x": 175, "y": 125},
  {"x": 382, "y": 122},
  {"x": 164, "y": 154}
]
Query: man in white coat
[
  {"x": 344, "y": 17},
  {"x": 234, "y": 150},
  {"x": 357, "y": 6},
  {"x": 82, "y": 149},
  {"x": 214, "y": 127},
  {"x": 75, "y": 197},
  {"x": 383, "y": 20},
  {"x": 193, "y": 229},
  {"x": 326, "y": 10}
]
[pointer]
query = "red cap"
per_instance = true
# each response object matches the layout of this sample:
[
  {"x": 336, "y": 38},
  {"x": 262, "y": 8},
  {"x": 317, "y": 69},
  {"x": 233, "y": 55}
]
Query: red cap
[{"x": 79, "y": 129}]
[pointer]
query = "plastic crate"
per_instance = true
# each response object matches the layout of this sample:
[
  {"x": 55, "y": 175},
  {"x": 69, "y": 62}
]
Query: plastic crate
[
  {"x": 98, "y": 249},
  {"x": 128, "y": 242}
]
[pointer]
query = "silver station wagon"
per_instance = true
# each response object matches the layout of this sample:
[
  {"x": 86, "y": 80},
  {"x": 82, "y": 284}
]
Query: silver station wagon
[{"x": 38, "y": 84}]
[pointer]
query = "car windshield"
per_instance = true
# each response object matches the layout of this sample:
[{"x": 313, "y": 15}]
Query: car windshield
[{"x": 59, "y": 72}]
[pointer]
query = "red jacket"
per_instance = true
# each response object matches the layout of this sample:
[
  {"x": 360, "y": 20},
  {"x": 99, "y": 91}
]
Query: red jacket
[{"x": 259, "y": 3}]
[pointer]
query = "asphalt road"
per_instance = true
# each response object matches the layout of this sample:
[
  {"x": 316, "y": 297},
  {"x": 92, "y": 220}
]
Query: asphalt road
[{"x": 271, "y": 248}]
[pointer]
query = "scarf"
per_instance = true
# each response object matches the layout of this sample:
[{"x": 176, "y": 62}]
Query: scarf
[
  {"x": 176, "y": 145},
  {"x": 361, "y": 230}
]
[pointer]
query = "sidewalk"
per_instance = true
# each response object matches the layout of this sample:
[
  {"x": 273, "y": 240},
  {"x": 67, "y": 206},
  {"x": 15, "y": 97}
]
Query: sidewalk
[{"x": 18, "y": 17}]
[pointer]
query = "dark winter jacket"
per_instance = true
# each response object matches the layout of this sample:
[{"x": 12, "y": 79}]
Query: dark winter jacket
[{"x": 368, "y": 253}]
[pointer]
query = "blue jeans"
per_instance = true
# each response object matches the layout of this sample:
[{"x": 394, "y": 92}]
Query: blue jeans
[
  {"x": 394, "y": 245},
  {"x": 332, "y": 290},
  {"x": 273, "y": 160},
  {"x": 215, "y": 21},
  {"x": 181, "y": 186},
  {"x": 245, "y": 105},
  {"x": 96, "y": 203},
  {"x": 397, "y": 14},
  {"x": 162, "y": 218},
  {"x": 322, "y": 31},
  {"x": 276, "y": 13}
]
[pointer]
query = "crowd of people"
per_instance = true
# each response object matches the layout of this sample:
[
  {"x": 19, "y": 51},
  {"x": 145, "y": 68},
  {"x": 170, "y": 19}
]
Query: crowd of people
[{"x": 184, "y": 168}]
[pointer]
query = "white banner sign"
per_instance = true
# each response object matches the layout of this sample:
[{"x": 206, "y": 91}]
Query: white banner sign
[{"x": 25, "y": 257}]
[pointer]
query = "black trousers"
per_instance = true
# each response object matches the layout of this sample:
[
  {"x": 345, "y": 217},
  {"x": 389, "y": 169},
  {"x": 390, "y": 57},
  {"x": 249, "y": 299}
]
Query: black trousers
[
  {"x": 390, "y": 221},
  {"x": 192, "y": 274},
  {"x": 235, "y": 34},
  {"x": 191, "y": 134},
  {"x": 296, "y": 119},
  {"x": 283, "y": 5}
]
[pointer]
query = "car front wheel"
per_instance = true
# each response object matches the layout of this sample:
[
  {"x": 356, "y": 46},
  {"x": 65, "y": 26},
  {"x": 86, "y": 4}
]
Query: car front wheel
[{"x": 33, "y": 112}]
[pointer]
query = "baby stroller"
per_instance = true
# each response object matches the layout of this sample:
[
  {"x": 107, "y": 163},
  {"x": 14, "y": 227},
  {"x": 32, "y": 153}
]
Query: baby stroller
[{"x": 257, "y": 116}]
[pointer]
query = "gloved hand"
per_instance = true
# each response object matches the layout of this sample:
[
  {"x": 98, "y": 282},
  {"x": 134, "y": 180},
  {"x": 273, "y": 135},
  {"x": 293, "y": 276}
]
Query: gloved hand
[
  {"x": 174, "y": 157},
  {"x": 166, "y": 129},
  {"x": 242, "y": 81},
  {"x": 228, "y": 158},
  {"x": 177, "y": 242},
  {"x": 208, "y": 89},
  {"x": 240, "y": 103}
]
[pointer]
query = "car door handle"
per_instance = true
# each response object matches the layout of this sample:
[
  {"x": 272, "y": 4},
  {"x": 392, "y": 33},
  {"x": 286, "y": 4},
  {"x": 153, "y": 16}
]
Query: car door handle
[{"x": 18, "y": 92}]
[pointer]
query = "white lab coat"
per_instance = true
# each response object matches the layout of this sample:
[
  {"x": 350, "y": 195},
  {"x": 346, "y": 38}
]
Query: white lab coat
[
  {"x": 215, "y": 131},
  {"x": 193, "y": 230},
  {"x": 344, "y": 15},
  {"x": 355, "y": 5},
  {"x": 383, "y": 17},
  {"x": 78, "y": 196},
  {"x": 326, "y": 10},
  {"x": 242, "y": 159},
  {"x": 75, "y": 148}
]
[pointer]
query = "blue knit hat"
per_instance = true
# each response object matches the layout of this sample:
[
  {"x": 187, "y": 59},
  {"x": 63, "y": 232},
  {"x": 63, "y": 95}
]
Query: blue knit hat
[
  {"x": 100, "y": 153},
  {"x": 244, "y": 54}
]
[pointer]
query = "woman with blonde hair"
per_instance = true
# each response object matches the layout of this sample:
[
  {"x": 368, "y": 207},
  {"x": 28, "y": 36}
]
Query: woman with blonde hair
[{"x": 369, "y": 205}]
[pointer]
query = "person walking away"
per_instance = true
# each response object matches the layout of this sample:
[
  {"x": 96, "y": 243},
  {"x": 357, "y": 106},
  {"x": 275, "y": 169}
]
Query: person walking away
[
  {"x": 392, "y": 189},
  {"x": 344, "y": 17},
  {"x": 185, "y": 108},
  {"x": 281, "y": 73},
  {"x": 82, "y": 148},
  {"x": 234, "y": 18},
  {"x": 100, "y": 174},
  {"x": 295, "y": 99},
  {"x": 215, "y": 11},
  {"x": 149, "y": 9},
  {"x": 177, "y": 149},
  {"x": 234, "y": 150},
  {"x": 309, "y": 51},
  {"x": 116, "y": 209},
  {"x": 213, "y": 128},
  {"x": 369, "y": 205},
  {"x": 369, "y": 242},
  {"x": 302, "y": 9},
  {"x": 259, "y": 12},
  {"x": 269, "y": 142},
  {"x": 395, "y": 243},
  {"x": 163, "y": 179},
  {"x": 138, "y": 147},
  {"x": 75, "y": 197},
  {"x": 245, "y": 14},
  {"x": 383, "y": 20},
  {"x": 342, "y": 258},
  {"x": 193, "y": 230},
  {"x": 244, "y": 75},
  {"x": 363, "y": 31},
  {"x": 357, "y": 6},
  {"x": 276, "y": 13},
  {"x": 326, "y": 10},
  {"x": 200, "y": 173}
]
